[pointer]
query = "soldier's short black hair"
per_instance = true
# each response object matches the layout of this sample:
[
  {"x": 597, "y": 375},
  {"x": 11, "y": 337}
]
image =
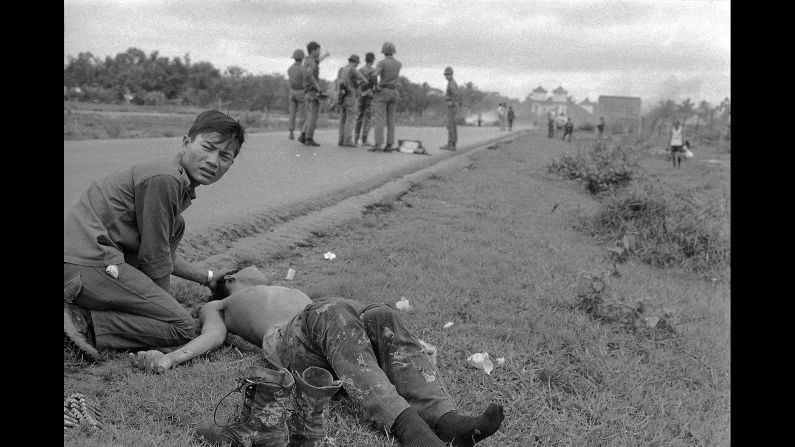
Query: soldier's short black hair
[
  {"x": 214, "y": 121},
  {"x": 369, "y": 57},
  {"x": 221, "y": 290},
  {"x": 311, "y": 46}
]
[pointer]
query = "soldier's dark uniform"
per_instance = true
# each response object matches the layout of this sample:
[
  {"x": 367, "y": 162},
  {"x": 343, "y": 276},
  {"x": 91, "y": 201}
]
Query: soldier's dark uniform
[
  {"x": 311, "y": 90},
  {"x": 365, "y": 104},
  {"x": 451, "y": 97},
  {"x": 296, "y": 102},
  {"x": 349, "y": 80},
  {"x": 386, "y": 97}
]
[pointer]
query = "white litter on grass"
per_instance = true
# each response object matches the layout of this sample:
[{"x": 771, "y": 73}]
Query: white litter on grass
[
  {"x": 481, "y": 360},
  {"x": 652, "y": 321},
  {"x": 329, "y": 255},
  {"x": 290, "y": 274},
  {"x": 113, "y": 271},
  {"x": 429, "y": 350},
  {"x": 448, "y": 324},
  {"x": 297, "y": 155},
  {"x": 500, "y": 361},
  {"x": 403, "y": 304}
]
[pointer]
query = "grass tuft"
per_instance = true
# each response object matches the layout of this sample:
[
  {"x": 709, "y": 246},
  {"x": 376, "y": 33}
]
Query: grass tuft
[
  {"x": 602, "y": 169},
  {"x": 666, "y": 230}
]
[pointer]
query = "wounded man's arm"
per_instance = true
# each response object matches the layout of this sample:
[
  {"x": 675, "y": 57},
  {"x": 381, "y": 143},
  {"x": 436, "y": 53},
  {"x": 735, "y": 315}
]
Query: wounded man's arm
[{"x": 212, "y": 337}]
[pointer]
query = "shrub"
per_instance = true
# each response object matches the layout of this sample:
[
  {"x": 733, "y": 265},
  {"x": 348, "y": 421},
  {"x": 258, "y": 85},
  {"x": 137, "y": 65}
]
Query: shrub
[
  {"x": 600, "y": 170},
  {"x": 667, "y": 231},
  {"x": 250, "y": 119},
  {"x": 586, "y": 126},
  {"x": 99, "y": 94},
  {"x": 154, "y": 98},
  {"x": 112, "y": 127}
]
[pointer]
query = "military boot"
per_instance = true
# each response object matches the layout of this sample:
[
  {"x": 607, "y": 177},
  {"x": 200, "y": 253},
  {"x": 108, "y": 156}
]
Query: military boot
[
  {"x": 266, "y": 395},
  {"x": 313, "y": 391}
]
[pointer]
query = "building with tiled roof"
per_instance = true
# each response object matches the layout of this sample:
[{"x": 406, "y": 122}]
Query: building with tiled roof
[
  {"x": 539, "y": 94},
  {"x": 542, "y": 105},
  {"x": 560, "y": 94}
]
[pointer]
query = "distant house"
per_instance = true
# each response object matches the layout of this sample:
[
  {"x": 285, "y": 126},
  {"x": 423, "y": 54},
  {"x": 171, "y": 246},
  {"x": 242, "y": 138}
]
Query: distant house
[
  {"x": 542, "y": 105},
  {"x": 621, "y": 113},
  {"x": 587, "y": 105}
]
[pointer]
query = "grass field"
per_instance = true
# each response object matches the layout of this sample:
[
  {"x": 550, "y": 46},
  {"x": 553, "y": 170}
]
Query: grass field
[
  {"x": 87, "y": 120},
  {"x": 493, "y": 248}
]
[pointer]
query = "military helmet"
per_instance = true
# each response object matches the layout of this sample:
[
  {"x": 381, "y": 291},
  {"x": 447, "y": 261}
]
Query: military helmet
[
  {"x": 388, "y": 48},
  {"x": 354, "y": 58},
  {"x": 448, "y": 70},
  {"x": 298, "y": 54}
]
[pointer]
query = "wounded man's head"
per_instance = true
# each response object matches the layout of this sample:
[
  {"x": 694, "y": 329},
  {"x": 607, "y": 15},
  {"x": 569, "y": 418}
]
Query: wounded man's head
[{"x": 238, "y": 279}]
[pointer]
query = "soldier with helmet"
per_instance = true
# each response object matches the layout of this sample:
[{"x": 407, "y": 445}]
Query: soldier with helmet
[
  {"x": 312, "y": 92},
  {"x": 451, "y": 97},
  {"x": 296, "y": 103},
  {"x": 387, "y": 71},
  {"x": 349, "y": 80},
  {"x": 365, "y": 101}
]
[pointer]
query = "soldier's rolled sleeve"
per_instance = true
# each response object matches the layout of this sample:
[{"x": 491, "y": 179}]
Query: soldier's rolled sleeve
[{"x": 157, "y": 210}]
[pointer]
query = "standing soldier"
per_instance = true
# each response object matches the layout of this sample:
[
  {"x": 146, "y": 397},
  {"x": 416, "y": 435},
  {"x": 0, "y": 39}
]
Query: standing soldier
[
  {"x": 511, "y": 116},
  {"x": 295, "y": 101},
  {"x": 451, "y": 97},
  {"x": 349, "y": 80},
  {"x": 312, "y": 92},
  {"x": 386, "y": 97},
  {"x": 365, "y": 101}
]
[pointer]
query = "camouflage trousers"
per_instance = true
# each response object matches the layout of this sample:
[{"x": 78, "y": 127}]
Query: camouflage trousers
[
  {"x": 363, "y": 116},
  {"x": 381, "y": 364}
]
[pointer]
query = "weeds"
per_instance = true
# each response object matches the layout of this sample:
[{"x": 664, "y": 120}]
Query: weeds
[
  {"x": 660, "y": 230},
  {"x": 600, "y": 170},
  {"x": 112, "y": 127},
  {"x": 639, "y": 317}
]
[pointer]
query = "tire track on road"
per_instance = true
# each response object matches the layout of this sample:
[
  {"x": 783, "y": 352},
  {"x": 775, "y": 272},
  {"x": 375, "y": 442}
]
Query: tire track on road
[{"x": 269, "y": 231}]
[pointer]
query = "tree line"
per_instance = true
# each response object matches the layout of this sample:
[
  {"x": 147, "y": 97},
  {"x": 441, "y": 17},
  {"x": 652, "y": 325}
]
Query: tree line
[
  {"x": 154, "y": 80},
  {"x": 666, "y": 111}
]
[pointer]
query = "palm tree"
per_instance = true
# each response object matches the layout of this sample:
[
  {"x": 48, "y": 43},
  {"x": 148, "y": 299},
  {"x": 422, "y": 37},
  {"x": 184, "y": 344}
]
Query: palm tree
[
  {"x": 703, "y": 110},
  {"x": 686, "y": 109},
  {"x": 665, "y": 108}
]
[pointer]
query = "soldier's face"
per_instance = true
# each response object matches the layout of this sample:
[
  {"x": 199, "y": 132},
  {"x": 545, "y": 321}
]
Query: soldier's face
[{"x": 205, "y": 160}]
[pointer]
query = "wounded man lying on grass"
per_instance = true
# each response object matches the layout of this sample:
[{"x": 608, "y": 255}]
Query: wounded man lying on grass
[{"x": 370, "y": 352}]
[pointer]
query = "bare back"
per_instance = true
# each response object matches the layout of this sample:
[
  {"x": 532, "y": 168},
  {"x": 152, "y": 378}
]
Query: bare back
[{"x": 253, "y": 311}]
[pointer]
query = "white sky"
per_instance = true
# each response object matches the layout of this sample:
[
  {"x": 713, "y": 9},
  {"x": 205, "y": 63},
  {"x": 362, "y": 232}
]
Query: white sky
[{"x": 651, "y": 49}]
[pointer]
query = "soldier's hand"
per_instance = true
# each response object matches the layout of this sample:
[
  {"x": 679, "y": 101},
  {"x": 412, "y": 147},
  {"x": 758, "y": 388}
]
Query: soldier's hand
[
  {"x": 154, "y": 361},
  {"x": 212, "y": 285}
]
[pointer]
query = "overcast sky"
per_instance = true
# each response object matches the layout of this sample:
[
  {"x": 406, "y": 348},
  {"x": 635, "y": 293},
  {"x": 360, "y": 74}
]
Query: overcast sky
[{"x": 651, "y": 49}]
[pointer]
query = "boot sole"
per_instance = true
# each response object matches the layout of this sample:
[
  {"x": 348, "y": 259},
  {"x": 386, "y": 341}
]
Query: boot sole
[{"x": 71, "y": 331}]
